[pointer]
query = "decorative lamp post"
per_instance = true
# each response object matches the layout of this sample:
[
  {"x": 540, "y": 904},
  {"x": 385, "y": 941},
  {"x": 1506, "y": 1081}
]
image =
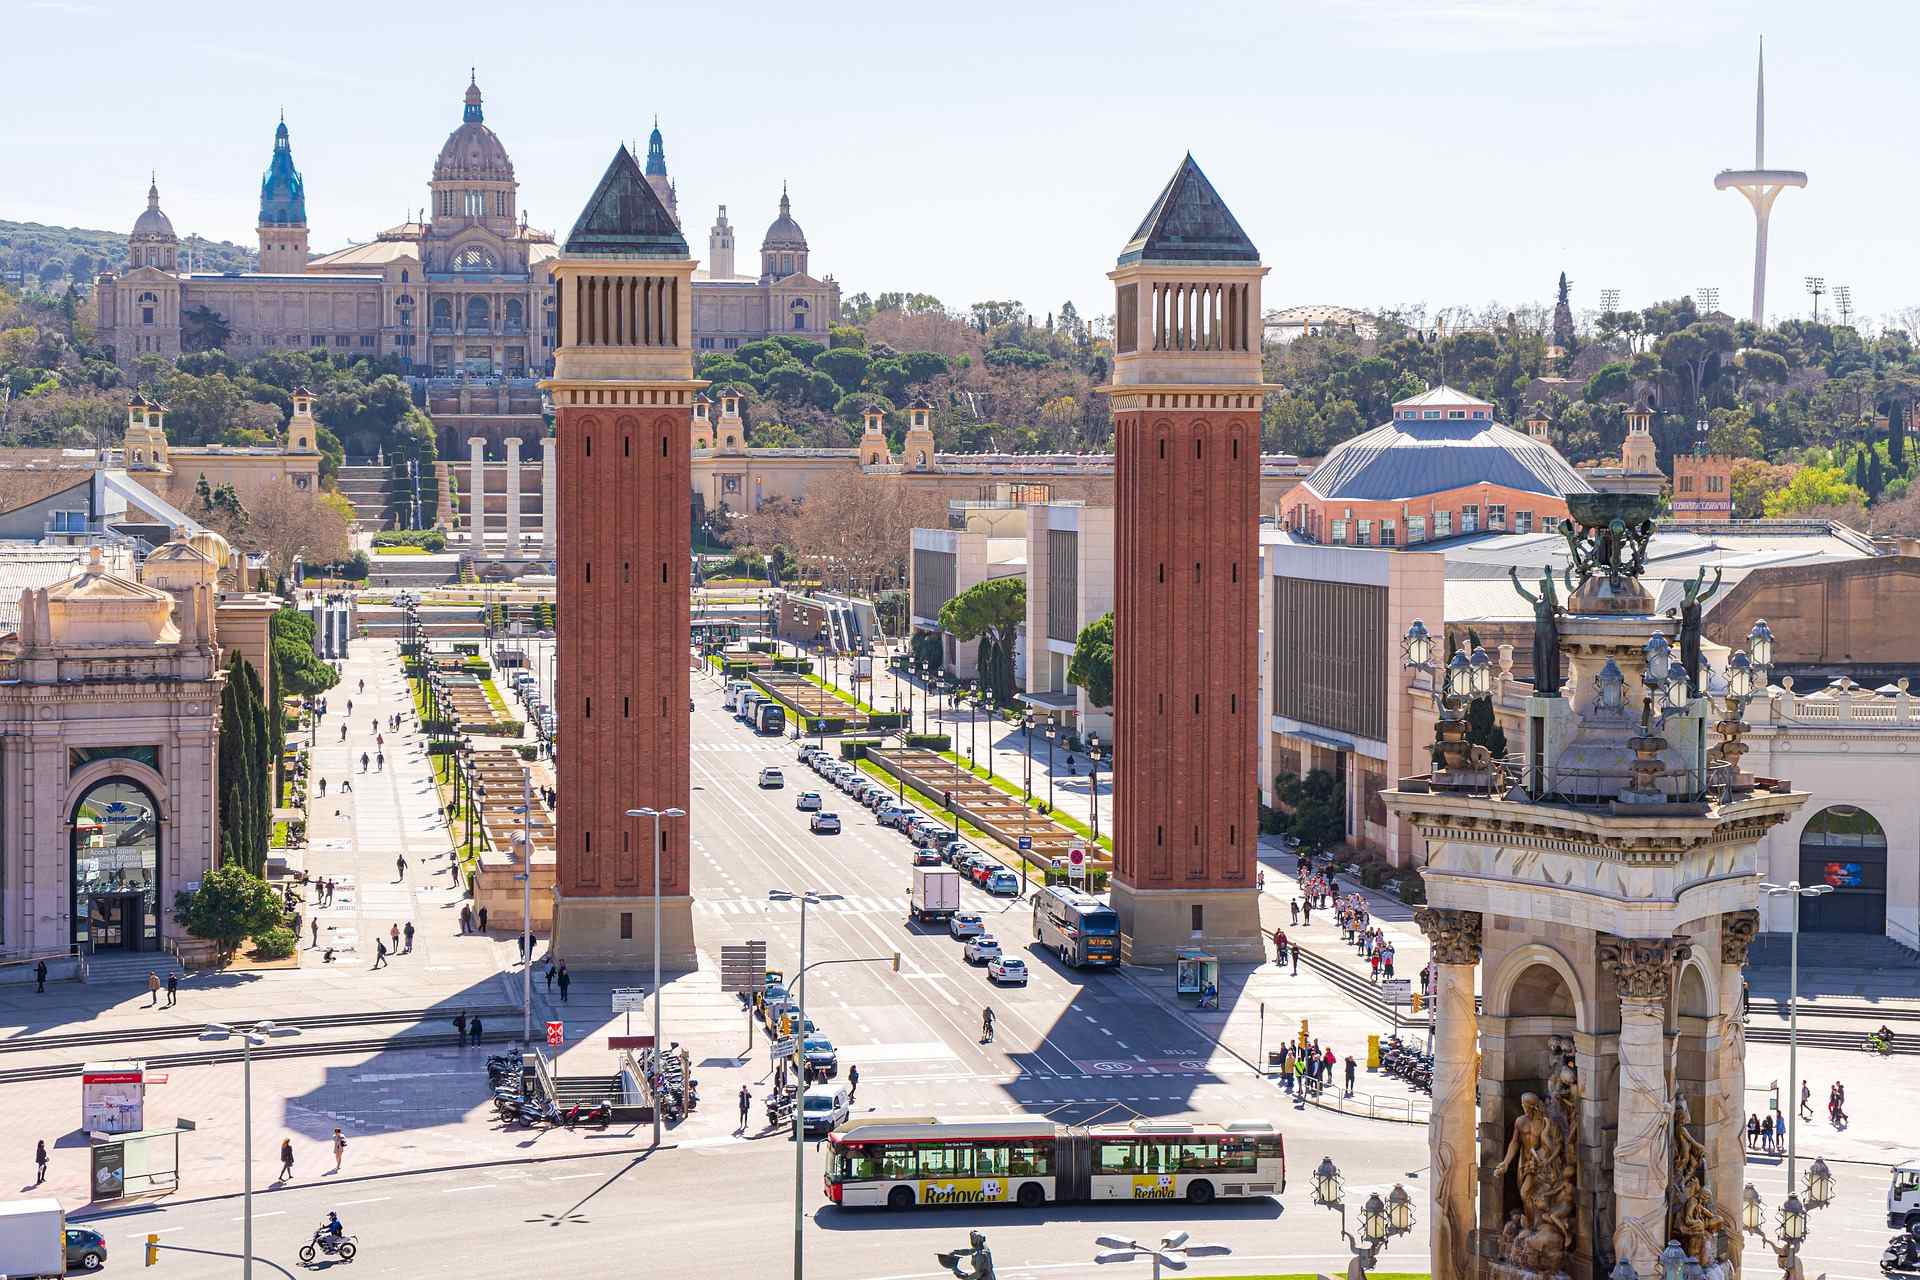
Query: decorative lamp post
[
  {"x": 1673, "y": 1261},
  {"x": 1793, "y": 1221},
  {"x": 1172, "y": 1252},
  {"x": 656, "y": 815},
  {"x": 1819, "y": 1184},
  {"x": 251, "y": 1038},
  {"x": 1752, "y": 1211},
  {"x": 1610, "y": 690},
  {"x": 1051, "y": 730},
  {"x": 1026, "y": 748},
  {"x": 1380, "y": 1219},
  {"x": 1465, "y": 677},
  {"x": 1399, "y": 1210}
]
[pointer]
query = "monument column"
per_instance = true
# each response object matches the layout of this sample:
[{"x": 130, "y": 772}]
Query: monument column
[
  {"x": 513, "y": 497},
  {"x": 623, "y": 389},
  {"x": 1451, "y": 1134},
  {"x": 1643, "y": 1153},
  {"x": 477, "y": 488},
  {"x": 1726, "y": 1107},
  {"x": 1186, "y": 395},
  {"x": 549, "y": 511}
]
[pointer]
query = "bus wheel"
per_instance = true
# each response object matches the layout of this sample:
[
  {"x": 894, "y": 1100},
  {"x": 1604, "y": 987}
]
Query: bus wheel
[
  {"x": 900, "y": 1198},
  {"x": 1032, "y": 1195},
  {"x": 1200, "y": 1192}
]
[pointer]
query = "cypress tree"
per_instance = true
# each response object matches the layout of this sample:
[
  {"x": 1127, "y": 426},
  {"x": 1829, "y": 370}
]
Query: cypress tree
[
  {"x": 260, "y": 776},
  {"x": 1860, "y": 471},
  {"x": 233, "y": 768},
  {"x": 1897, "y": 436},
  {"x": 1876, "y": 477},
  {"x": 246, "y": 810}
]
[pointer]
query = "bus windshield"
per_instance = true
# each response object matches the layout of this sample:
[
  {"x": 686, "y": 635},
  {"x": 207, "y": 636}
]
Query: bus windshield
[{"x": 1102, "y": 922}]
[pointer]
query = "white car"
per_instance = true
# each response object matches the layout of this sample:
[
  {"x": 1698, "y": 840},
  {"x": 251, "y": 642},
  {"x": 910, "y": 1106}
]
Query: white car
[
  {"x": 1007, "y": 971},
  {"x": 825, "y": 823},
  {"x": 772, "y": 777},
  {"x": 982, "y": 948},
  {"x": 823, "y": 1107},
  {"x": 964, "y": 925},
  {"x": 807, "y": 800}
]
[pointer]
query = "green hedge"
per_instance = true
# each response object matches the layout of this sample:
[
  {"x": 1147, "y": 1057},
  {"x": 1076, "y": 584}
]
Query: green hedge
[
  {"x": 274, "y": 944},
  {"x": 930, "y": 741},
  {"x": 425, "y": 539},
  {"x": 886, "y": 720},
  {"x": 856, "y": 748},
  {"x": 762, "y": 646}
]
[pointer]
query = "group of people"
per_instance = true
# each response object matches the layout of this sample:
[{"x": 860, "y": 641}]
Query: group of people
[{"x": 1310, "y": 1069}]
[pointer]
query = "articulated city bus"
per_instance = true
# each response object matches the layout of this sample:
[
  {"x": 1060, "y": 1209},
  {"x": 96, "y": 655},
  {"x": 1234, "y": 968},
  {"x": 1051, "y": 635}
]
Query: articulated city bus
[
  {"x": 1078, "y": 927},
  {"x": 903, "y": 1161}
]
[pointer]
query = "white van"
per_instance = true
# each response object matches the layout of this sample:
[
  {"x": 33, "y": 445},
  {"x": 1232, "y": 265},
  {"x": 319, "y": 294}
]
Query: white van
[
  {"x": 824, "y": 1107},
  {"x": 1903, "y": 1195}
]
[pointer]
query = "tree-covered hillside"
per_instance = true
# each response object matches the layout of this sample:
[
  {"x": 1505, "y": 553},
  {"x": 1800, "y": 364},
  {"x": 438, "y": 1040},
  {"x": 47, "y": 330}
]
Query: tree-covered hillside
[{"x": 50, "y": 257}]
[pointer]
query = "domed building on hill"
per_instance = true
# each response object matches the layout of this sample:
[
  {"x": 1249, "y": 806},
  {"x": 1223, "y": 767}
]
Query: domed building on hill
[
  {"x": 459, "y": 290},
  {"x": 1440, "y": 466}
]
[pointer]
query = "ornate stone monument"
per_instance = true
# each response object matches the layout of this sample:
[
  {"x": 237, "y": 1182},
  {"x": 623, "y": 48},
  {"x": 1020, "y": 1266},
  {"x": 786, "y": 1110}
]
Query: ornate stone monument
[{"x": 1601, "y": 889}]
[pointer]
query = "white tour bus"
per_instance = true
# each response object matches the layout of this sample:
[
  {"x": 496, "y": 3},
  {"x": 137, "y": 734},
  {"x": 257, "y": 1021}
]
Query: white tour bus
[{"x": 903, "y": 1161}]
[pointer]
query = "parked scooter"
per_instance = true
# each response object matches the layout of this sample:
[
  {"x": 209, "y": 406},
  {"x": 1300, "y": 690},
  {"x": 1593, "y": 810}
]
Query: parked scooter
[{"x": 1901, "y": 1254}]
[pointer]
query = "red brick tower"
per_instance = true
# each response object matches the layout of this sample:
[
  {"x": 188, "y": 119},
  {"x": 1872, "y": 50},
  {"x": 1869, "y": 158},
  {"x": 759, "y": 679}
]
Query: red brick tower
[
  {"x": 623, "y": 390},
  {"x": 1186, "y": 398}
]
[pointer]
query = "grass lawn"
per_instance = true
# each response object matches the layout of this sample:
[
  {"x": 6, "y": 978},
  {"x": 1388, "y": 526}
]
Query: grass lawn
[
  {"x": 401, "y": 551},
  {"x": 842, "y": 694},
  {"x": 494, "y": 699},
  {"x": 1066, "y": 820},
  {"x": 279, "y": 840}
]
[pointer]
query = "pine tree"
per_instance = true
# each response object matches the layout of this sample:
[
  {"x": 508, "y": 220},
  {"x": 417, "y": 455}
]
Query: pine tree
[{"x": 1483, "y": 730}]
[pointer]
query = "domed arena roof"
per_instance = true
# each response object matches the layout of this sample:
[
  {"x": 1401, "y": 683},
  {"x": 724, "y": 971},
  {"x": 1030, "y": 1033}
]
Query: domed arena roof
[
  {"x": 473, "y": 150},
  {"x": 785, "y": 233},
  {"x": 153, "y": 224},
  {"x": 1436, "y": 442}
]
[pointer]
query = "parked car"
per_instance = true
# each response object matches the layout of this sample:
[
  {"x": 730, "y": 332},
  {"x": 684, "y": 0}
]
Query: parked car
[
  {"x": 825, "y": 823},
  {"x": 1003, "y": 884},
  {"x": 981, "y": 948},
  {"x": 807, "y": 800},
  {"x": 925, "y": 831},
  {"x": 772, "y": 777},
  {"x": 965, "y": 924},
  {"x": 821, "y": 1055},
  {"x": 893, "y": 815},
  {"x": 981, "y": 869},
  {"x": 1007, "y": 971},
  {"x": 925, "y": 858},
  {"x": 823, "y": 1107}
]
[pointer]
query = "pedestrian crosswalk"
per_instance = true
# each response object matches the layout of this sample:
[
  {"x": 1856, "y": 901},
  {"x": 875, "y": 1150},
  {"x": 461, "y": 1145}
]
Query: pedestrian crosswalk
[
  {"x": 762, "y": 906},
  {"x": 763, "y": 746}
]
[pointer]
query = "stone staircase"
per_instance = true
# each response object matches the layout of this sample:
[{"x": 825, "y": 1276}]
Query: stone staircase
[
  {"x": 1830, "y": 950},
  {"x": 368, "y": 486},
  {"x": 129, "y": 969},
  {"x": 413, "y": 573}
]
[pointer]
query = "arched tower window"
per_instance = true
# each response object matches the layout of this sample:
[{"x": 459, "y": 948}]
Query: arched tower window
[
  {"x": 478, "y": 314},
  {"x": 442, "y": 313},
  {"x": 474, "y": 258}
]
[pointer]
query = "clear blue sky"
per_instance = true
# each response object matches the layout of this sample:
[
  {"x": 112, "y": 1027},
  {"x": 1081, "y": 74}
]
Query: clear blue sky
[{"x": 1378, "y": 151}]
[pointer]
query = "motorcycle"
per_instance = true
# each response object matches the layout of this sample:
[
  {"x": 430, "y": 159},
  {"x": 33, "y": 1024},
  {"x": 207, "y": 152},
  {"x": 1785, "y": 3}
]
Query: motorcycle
[
  {"x": 341, "y": 1246},
  {"x": 1878, "y": 1043},
  {"x": 1901, "y": 1254},
  {"x": 598, "y": 1114}
]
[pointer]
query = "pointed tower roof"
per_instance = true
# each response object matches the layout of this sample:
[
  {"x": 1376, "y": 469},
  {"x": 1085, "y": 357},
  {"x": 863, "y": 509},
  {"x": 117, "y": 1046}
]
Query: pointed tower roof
[
  {"x": 624, "y": 218},
  {"x": 656, "y": 152},
  {"x": 283, "y": 193},
  {"x": 1189, "y": 223}
]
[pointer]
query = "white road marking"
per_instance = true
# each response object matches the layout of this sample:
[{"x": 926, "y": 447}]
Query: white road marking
[
  {"x": 348, "y": 1204},
  {"x": 478, "y": 1186}
]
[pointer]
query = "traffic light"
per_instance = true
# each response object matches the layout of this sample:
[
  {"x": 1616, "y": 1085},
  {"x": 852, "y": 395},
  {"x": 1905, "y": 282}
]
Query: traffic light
[
  {"x": 1419, "y": 1002},
  {"x": 153, "y": 1248},
  {"x": 1304, "y": 1037}
]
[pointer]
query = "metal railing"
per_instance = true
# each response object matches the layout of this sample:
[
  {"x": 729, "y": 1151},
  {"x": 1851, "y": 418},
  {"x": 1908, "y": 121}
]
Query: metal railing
[{"x": 1584, "y": 788}]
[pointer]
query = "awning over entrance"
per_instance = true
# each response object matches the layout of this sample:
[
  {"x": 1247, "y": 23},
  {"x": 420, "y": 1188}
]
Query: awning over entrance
[{"x": 1068, "y": 700}]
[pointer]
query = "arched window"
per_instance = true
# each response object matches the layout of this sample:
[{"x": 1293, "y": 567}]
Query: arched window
[
  {"x": 1845, "y": 847},
  {"x": 473, "y": 258},
  {"x": 478, "y": 315},
  {"x": 516, "y": 315},
  {"x": 405, "y": 275},
  {"x": 443, "y": 315},
  {"x": 115, "y": 864},
  {"x": 798, "y": 310}
]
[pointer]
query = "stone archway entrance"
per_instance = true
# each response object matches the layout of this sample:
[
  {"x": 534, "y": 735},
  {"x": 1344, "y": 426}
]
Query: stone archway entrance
[
  {"x": 115, "y": 862},
  {"x": 1846, "y": 847}
]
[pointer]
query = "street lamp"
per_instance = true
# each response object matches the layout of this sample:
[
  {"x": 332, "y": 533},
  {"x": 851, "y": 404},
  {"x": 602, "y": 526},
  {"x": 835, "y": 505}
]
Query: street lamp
[
  {"x": 1794, "y": 891},
  {"x": 1026, "y": 747},
  {"x": 1380, "y": 1219},
  {"x": 1793, "y": 1215},
  {"x": 1172, "y": 1252},
  {"x": 656, "y": 815},
  {"x": 250, "y": 1038},
  {"x": 1093, "y": 780},
  {"x": 1673, "y": 1261},
  {"x": 1051, "y": 730}
]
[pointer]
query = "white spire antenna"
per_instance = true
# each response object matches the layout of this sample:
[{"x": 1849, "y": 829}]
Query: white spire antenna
[
  {"x": 1761, "y": 186},
  {"x": 1760, "y": 109}
]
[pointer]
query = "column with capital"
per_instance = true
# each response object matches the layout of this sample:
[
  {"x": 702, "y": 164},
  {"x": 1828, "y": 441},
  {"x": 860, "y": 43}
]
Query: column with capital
[
  {"x": 1643, "y": 970},
  {"x": 477, "y": 489},
  {"x": 513, "y": 497},
  {"x": 1455, "y": 937},
  {"x": 1727, "y": 1093}
]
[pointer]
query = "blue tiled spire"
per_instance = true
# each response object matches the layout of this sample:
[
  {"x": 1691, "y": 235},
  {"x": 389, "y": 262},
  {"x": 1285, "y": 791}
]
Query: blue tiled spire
[
  {"x": 656, "y": 152},
  {"x": 283, "y": 195}
]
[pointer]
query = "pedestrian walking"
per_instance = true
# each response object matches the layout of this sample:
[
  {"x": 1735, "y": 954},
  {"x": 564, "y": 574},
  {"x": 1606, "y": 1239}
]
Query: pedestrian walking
[
  {"x": 40, "y": 1162},
  {"x": 316, "y": 931},
  {"x": 343, "y": 733},
  {"x": 565, "y": 981},
  {"x": 339, "y": 1148},
  {"x": 1279, "y": 946},
  {"x": 1373, "y": 964},
  {"x": 475, "y": 1028},
  {"x": 363, "y": 762},
  {"x": 400, "y": 867},
  {"x": 1386, "y": 965},
  {"x": 551, "y": 973},
  {"x": 350, "y": 704},
  {"x": 1351, "y": 1066},
  {"x": 379, "y": 953},
  {"x": 1293, "y": 910},
  {"x": 286, "y": 1159},
  {"x": 1806, "y": 1101},
  {"x": 520, "y": 941},
  {"x": 409, "y": 932},
  {"x": 380, "y": 762},
  {"x": 746, "y": 1105},
  {"x": 40, "y": 977},
  {"x": 173, "y": 989},
  {"x": 393, "y": 932},
  {"x": 853, "y": 1082},
  {"x": 1296, "y": 960},
  {"x": 1766, "y": 1133},
  {"x": 483, "y": 919},
  {"x": 460, "y": 1026},
  {"x": 466, "y": 919},
  {"x": 153, "y": 989}
]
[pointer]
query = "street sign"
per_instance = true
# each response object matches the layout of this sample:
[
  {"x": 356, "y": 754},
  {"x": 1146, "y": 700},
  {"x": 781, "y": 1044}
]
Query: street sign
[
  {"x": 779, "y": 1049},
  {"x": 556, "y": 1034},
  {"x": 629, "y": 1042},
  {"x": 1397, "y": 990},
  {"x": 1026, "y": 844},
  {"x": 1076, "y": 856},
  {"x": 743, "y": 967},
  {"x": 629, "y": 999}
]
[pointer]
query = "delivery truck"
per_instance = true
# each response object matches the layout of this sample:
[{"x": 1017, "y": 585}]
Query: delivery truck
[
  {"x": 935, "y": 895},
  {"x": 33, "y": 1238}
]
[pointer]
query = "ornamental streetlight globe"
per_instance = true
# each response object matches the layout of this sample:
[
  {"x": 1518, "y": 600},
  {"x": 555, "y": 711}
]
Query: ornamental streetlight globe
[
  {"x": 1793, "y": 1221},
  {"x": 1326, "y": 1183},
  {"x": 1659, "y": 659},
  {"x": 1760, "y": 644},
  {"x": 1374, "y": 1226},
  {"x": 1417, "y": 646},
  {"x": 1819, "y": 1185},
  {"x": 1752, "y": 1210},
  {"x": 1400, "y": 1210}
]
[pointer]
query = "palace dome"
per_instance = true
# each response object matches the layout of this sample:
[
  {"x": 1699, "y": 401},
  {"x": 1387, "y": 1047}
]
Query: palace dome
[
  {"x": 1436, "y": 442},
  {"x": 473, "y": 151},
  {"x": 785, "y": 233},
  {"x": 152, "y": 224}
]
